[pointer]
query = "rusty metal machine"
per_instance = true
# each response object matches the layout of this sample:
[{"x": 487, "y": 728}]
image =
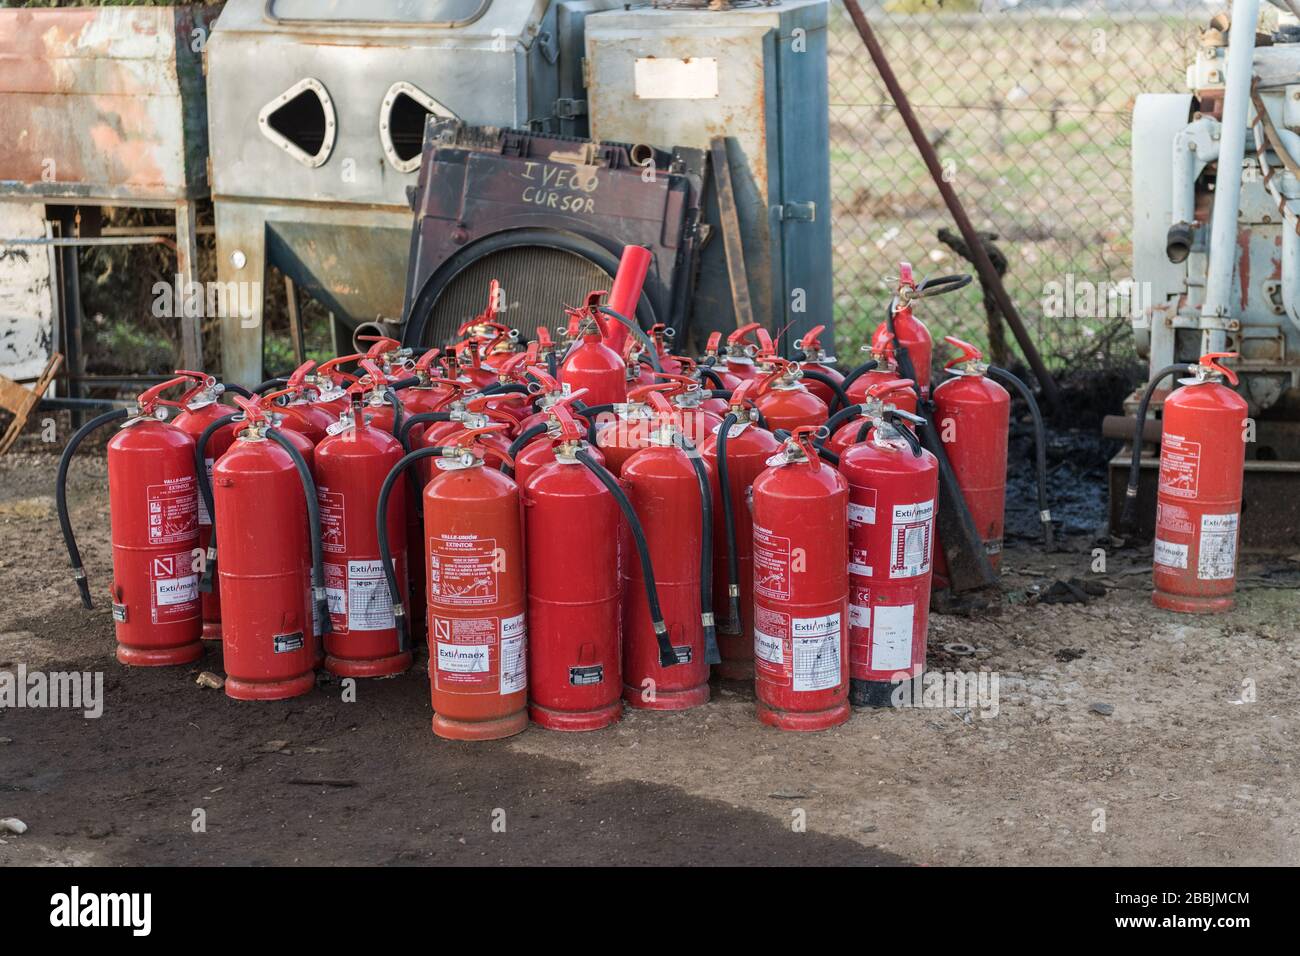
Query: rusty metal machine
[{"x": 1216, "y": 254}]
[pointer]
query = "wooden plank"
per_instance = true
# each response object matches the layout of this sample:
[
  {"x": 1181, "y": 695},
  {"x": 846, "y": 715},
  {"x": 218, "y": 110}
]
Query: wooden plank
[
  {"x": 26, "y": 401},
  {"x": 731, "y": 237}
]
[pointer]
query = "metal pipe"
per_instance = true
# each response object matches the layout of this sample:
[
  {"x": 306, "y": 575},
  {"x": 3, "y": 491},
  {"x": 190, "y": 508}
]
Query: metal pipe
[
  {"x": 1215, "y": 310},
  {"x": 979, "y": 256}
]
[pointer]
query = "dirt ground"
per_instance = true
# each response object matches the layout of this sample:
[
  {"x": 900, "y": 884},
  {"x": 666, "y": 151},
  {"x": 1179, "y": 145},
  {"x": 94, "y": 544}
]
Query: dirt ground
[{"x": 1124, "y": 735}]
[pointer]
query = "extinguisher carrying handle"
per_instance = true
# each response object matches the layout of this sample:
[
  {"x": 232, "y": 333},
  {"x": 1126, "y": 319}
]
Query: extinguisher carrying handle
[
  {"x": 1129, "y": 512},
  {"x": 1040, "y": 446},
  {"x": 711, "y": 653},
  {"x": 667, "y": 656},
  {"x": 313, "y": 524},
  {"x": 61, "y": 497},
  {"x": 729, "y": 520},
  {"x": 205, "y": 489}
]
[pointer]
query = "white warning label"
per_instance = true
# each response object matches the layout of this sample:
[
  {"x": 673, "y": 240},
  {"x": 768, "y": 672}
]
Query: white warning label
[
  {"x": 1171, "y": 554},
  {"x": 1180, "y": 466},
  {"x": 768, "y": 648},
  {"x": 1217, "y": 552},
  {"x": 205, "y": 519},
  {"x": 175, "y": 584},
  {"x": 369, "y": 606},
  {"x": 463, "y": 569},
  {"x": 173, "y": 510},
  {"x": 891, "y": 637},
  {"x": 514, "y": 663}
]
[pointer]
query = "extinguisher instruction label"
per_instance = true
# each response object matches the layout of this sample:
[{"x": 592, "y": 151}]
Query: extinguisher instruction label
[
  {"x": 911, "y": 539},
  {"x": 205, "y": 519},
  {"x": 514, "y": 664},
  {"x": 771, "y": 564},
  {"x": 173, "y": 510},
  {"x": 1171, "y": 554},
  {"x": 891, "y": 637},
  {"x": 1216, "y": 557},
  {"x": 333, "y": 534},
  {"x": 174, "y": 587},
  {"x": 462, "y": 569},
  {"x": 358, "y": 597},
  {"x": 1180, "y": 466},
  {"x": 771, "y": 629},
  {"x": 815, "y": 651}
]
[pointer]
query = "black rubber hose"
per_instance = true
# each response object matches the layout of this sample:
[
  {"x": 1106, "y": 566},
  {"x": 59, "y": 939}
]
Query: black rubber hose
[
  {"x": 712, "y": 376},
  {"x": 651, "y": 353},
  {"x": 390, "y": 393},
  {"x": 386, "y": 552},
  {"x": 61, "y": 497},
  {"x": 711, "y": 652},
  {"x": 840, "y": 400},
  {"x": 205, "y": 489},
  {"x": 590, "y": 412},
  {"x": 503, "y": 388},
  {"x": 269, "y": 385},
  {"x": 667, "y": 656},
  {"x": 313, "y": 527},
  {"x": 1129, "y": 512},
  {"x": 407, "y": 382},
  {"x": 552, "y": 364},
  {"x": 843, "y": 416},
  {"x": 857, "y": 373},
  {"x": 733, "y": 564},
  {"x": 423, "y": 418},
  {"x": 527, "y": 435},
  {"x": 722, "y": 393},
  {"x": 1040, "y": 447},
  {"x": 862, "y": 431},
  {"x": 238, "y": 390}
]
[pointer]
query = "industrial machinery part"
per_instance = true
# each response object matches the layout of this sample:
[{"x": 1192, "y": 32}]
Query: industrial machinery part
[
  {"x": 801, "y": 589},
  {"x": 549, "y": 217},
  {"x": 317, "y": 115},
  {"x": 687, "y": 75},
  {"x": 154, "y": 518}
]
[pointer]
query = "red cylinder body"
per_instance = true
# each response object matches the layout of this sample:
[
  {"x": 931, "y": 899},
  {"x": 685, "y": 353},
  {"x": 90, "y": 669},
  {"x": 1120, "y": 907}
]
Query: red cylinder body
[
  {"x": 193, "y": 421},
  {"x": 351, "y": 465},
  {"x": 665, "y": 493},
  {"x": 539, "y": 453},
  {"x": 267, "y": 633},
  {"x": 801, "y": 661},
  {"x": 973, "y": 414},
  {"x": 910, "y": 332},
  {"x": 575, "y": 678},
  {"x": 474, "y": 566},
  {"x": 748, "y": 449},
  {"x": 619, "y": 437},
  {"x": 153, "y": 511},
  {"x": 790, "y": 407},
  {"x": 893, "y": 497},
  {"x": 310, "y": 418},
  {"x": 1198, "y": 503},
  {"x": 595, "y": 366},
  {"x": 857, "y": 390}
]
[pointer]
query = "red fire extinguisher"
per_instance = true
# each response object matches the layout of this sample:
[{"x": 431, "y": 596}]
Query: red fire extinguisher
[
  {"x": 573, "y": 527},
  {"x": 1198, "y": 500},
  {"x": 817, "y": 365},
  {"x": 737, "y": 450},
  {"x": 893, "y": 495},
  {"x": 908, "y": 336},
  {"x": 474, "y": 567},
  {"x": 741, "y": 354},
  {"x": 591, "y": 364},
  {"x": 801, "y": 589},
  {"x": 714, "y": 360},
  {"x": 973, "y": 413},
  {"x": 154, "y": 518},
  {"x": 202, "y": 406},
  {"x": 853, "y": 424},
  {"x": 784, "y": 401},
  {"x": 351, "y": 464},
  {"x": 881, "y": 367},
  {"x": 268, "y": 526},
  {"x": 670, "y": 488},
  {"x": 307, "y": 414}
]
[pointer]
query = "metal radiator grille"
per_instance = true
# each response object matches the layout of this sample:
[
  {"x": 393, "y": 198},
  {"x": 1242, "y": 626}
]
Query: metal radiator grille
[{"x": 536, "y": 284}]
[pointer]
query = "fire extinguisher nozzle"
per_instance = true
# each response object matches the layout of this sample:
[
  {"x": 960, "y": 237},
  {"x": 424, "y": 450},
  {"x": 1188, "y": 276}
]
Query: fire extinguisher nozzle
[
  {"x": 711, "y": 653},
  {"x": 667, "y": 656}
]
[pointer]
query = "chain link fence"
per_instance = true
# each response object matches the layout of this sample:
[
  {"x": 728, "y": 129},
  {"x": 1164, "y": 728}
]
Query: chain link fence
[{"x": 1029, "y": 112}]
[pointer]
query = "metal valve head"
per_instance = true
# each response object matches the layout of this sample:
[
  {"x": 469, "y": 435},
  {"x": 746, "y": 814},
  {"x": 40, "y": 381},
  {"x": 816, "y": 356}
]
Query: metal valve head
[
  {"x": 1209, "y": 367},
  {"x": 971, "y": 357}
]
